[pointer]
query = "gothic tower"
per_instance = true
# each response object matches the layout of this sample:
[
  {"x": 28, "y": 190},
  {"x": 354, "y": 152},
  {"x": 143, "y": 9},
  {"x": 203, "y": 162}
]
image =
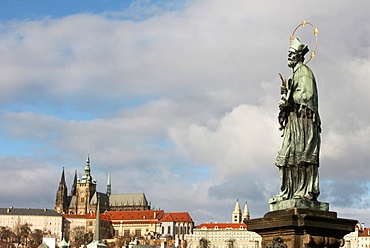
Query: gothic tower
[
  {"x": 237, "y": 213},
  {"x": 85, "y": 189},
  {"x": 74, "y": 185},
  {"x": 61, "y": 203}
]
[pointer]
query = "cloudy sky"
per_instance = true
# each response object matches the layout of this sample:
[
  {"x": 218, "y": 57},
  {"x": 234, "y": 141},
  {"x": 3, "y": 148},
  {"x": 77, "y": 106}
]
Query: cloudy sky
[{"x": 178, "y": 99}]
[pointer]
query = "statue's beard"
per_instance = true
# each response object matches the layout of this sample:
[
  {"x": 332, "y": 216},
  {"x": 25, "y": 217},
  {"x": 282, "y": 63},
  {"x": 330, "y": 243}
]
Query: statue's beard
[{"x": 292, "y": 63}]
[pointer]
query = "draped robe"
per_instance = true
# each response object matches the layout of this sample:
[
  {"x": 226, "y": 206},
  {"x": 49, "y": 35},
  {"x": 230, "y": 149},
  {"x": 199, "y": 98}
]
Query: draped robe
[{"x": 298, "y": 157}]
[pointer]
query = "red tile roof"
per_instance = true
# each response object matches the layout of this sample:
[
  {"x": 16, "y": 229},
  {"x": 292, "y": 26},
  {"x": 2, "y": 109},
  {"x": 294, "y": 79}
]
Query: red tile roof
[
  {"x": 103, "y": 216},
  {"x": 364, "y": 233},
  {"x": 177, "y": 217},
  {"x": 146, "y": 216},
  {"x": 140, "y": 216},
  {"x": 222, "y": 225},
  {"x": 74, "y": 216}
]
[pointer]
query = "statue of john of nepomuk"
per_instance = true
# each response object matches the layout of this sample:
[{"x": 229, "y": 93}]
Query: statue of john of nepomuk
[{"x": 298, "y": 157}]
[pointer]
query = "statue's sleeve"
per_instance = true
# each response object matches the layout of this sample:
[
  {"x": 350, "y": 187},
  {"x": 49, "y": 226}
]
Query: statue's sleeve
[{"x": 305, "y": 88}]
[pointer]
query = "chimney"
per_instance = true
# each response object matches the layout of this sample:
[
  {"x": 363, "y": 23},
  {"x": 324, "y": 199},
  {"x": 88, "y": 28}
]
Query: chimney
[{"x": 155, "y": 214}]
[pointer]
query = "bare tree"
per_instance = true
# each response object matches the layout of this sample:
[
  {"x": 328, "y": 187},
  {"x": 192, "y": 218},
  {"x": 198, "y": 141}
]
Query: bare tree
[
  {"x": 230, "y": 243},
  {"x": 204, "y": 243},
  {"x": 5, "y": 234},
  {"x": 36, "y": 236},
  {"x": 22, "y": 233},
  {"x": 77, "y": 235},
  {"x": 118, "y": 242}
]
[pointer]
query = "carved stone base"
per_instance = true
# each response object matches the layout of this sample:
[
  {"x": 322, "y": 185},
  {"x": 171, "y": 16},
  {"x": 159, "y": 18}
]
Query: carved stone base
[
  {"x": 301, "y": 227},
  {"x": 276, "y": 204}
]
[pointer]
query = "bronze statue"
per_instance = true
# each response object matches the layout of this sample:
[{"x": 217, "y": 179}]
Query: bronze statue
[{"x": 298, "y": 157}]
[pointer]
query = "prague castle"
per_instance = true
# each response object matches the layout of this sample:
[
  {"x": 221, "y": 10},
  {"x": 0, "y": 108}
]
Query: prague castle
[{"x": 83, "y": 197}]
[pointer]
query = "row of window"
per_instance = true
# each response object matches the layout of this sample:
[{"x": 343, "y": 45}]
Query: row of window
[
  {"x": 126, "y": 232},
  {"x": 181, "y": 230},
  {"x": 217, "y": 228}
]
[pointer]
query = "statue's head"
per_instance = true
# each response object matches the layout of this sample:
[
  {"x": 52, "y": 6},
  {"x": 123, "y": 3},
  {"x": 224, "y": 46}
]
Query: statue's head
[{"x": 296, "y": 52}]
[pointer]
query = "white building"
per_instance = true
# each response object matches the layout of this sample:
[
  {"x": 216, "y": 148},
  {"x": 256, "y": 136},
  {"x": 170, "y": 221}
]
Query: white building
[
  {"x": 176, "y": 224},
  {"x": 360, "y": 238},
  {"x": 47, "y": 220},
  {"x": 237, "y": 215},
  {"x": 226, "y": 235},
  {"x": 364, "y": 237}
]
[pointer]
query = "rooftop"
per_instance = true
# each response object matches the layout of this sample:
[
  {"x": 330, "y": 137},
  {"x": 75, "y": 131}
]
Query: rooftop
[
  {"x": 28, "y": 211},
  {"x": 222, "y": 226}
]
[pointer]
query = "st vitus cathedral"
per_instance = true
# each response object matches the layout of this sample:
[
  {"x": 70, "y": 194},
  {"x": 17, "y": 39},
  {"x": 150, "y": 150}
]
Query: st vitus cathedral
[{"x": 83, "y": 197}]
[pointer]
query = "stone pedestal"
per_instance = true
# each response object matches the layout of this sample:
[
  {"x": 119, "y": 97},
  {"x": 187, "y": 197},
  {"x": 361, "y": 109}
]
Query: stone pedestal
[{"x": 301, "y": 227}]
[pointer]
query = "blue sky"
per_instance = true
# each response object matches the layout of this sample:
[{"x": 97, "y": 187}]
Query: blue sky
[
  {"x": 178, "y": 99},
  {"x": 29, "y": 10}
]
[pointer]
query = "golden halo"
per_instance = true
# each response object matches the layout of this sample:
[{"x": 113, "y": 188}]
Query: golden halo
[{"x": 315, "y": 32}]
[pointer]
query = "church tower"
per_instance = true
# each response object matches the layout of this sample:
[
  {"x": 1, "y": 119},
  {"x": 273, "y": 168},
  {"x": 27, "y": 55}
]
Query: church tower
[
  {"x": 109, "y": 185},
  {"x": 86, "y": 188},
  {"x": 246, "y": 215},
  {"x": 74, "y": 185},
  {"x": 237, "y": 213},
  {"x": 61, "y": 203}
]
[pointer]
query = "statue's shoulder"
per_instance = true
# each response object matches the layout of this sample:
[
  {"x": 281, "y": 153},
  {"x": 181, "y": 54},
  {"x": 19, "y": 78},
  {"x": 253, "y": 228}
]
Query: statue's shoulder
[{"x": 303, "y": 70}]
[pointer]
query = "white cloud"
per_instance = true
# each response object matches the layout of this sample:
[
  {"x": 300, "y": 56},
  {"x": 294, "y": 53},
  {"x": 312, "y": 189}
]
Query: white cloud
[
  {"x": 241, "y": 142},
  {"x": 185, "y": 99}
]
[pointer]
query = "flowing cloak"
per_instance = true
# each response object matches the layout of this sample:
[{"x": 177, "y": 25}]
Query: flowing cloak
[{"x": 298, "y": 157}]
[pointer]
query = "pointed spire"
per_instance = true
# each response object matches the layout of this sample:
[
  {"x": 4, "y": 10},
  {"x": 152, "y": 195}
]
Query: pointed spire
[
  {"x": 62, "y": 178},
  {"x": 109, "y": 186},
  {"x": 237, "y": 206},
  {"x": 97, "y": 241},
  {"x": 61, "y": 197},
  {"x": 87, "y": 178},
  {"x": 74, "y": 184},
  {"x": 97, "y": 232},
  {"x": 88, "y": 158},
  {"x": 237, "y": 213},
  {"x": 62, "y": 183},
  {"x": 246, "y": 215}
]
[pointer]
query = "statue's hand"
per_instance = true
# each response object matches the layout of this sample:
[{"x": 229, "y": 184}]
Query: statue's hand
[
  {"x": 283, "y": 90},
  {"x": 283, "y": 102}
]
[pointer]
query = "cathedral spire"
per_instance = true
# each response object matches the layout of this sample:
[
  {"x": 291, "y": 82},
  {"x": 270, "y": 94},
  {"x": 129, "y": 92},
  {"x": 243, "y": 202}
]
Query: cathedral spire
[
  {"x": 62, "y": 178},
  {"x": 87, "y": 178},
  {"x": 74, "y": 184},
  {"x": 61, "y": 197},
  {"x": 109, "y": 185}
]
